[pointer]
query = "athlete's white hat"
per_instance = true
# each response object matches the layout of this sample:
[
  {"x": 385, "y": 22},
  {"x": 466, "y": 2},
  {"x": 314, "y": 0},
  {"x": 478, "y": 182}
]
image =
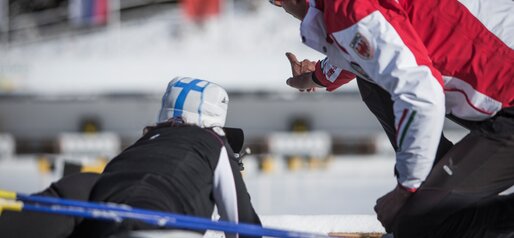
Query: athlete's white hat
[{"x": 196, "y": 101}]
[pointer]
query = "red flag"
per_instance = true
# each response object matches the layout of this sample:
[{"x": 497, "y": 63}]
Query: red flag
[
  {"x": 200, "y": 10},
  {"x": 100, "y": 11}
]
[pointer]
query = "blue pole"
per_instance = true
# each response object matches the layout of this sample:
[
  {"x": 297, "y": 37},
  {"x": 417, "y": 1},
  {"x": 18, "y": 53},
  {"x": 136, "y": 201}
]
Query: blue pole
[{"x": 119, "y": 212}]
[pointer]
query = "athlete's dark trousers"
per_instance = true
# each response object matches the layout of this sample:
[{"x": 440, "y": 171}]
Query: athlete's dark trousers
[
  {"x": 460, "y": 197},
  {"x": 41, "y": 225}
]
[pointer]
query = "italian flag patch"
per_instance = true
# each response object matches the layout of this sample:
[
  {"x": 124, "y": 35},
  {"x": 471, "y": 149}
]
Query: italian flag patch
[{"x": 404, "y": 125}]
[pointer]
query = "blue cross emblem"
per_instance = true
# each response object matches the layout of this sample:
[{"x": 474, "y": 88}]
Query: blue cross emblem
[{"x": 186, "y": 88}]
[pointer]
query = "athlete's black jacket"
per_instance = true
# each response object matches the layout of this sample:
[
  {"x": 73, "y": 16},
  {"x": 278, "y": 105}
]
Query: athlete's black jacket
[{"x": 174, "y": 168}]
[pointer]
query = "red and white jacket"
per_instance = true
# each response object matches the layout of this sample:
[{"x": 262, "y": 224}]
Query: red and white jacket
[{"x": 433, "y": 57}]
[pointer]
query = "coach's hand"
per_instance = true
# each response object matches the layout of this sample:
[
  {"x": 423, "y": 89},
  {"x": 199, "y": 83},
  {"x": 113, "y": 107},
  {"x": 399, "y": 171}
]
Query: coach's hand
[
  {"x": 389, "y": 205},
  {"x": 302, "y": 73},
  {"x": 298, "y": 68}
]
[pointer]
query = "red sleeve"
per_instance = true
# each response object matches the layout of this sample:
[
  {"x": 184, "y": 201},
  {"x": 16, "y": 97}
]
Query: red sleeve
[{"x": 330, "y": 76}]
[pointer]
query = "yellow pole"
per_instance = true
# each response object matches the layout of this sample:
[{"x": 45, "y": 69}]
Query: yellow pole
[
  {"x": 7, "y": 194},
  {"x": 10, "y": 205}
]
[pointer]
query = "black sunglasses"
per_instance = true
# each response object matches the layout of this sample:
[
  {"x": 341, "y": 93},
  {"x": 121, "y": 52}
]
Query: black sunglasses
[{"x": 277, "y": 3}]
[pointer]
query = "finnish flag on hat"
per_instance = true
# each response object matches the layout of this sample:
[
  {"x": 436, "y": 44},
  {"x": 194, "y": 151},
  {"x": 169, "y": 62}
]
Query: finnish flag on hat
[{"x": 196, "y": 101}]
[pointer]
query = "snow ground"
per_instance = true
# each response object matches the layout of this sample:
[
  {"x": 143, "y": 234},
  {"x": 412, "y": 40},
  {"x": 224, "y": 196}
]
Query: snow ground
[
  {"x": 324, "y": 223},
  {"x": 349, "y": 185},
  {"x": 317, "y": 224}
]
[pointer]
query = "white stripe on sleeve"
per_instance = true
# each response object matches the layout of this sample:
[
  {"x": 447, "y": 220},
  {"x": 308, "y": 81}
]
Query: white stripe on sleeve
[{"x": 224, "y": 188}]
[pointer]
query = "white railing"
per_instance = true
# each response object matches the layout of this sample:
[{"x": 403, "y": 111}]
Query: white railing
[
  {"x": 316, "y": 144},
  {"x": 7, "y": 146},
  {"x": 104, "y": 144}
]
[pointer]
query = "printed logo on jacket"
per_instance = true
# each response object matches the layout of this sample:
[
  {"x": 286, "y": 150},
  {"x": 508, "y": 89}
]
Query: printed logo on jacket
[{"x": 361, "y": 46}]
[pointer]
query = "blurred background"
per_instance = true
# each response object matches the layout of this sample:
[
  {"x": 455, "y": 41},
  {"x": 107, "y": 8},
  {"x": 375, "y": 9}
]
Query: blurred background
[{"x": 80, "y": 79}]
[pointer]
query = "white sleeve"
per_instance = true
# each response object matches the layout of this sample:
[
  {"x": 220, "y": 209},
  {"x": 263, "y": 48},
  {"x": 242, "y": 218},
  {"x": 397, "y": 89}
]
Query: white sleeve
[
  {"x": 392, "y": 61},
  {"x": 224, "y": 187}
]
